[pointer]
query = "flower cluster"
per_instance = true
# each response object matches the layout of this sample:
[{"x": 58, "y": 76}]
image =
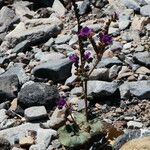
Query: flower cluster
[
  {"x": 105, "y": 38},
  {"x": 85, "y": 31},
  {"x": 74, "y": 58},
  {"x": 88, "y": 56},
  {"x": 61, "y": 102}
]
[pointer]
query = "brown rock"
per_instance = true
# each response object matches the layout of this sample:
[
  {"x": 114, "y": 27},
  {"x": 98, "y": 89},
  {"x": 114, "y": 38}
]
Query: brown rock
[
  {"x": 26, "y": 141},
  {"x": 137, "y": 144}
]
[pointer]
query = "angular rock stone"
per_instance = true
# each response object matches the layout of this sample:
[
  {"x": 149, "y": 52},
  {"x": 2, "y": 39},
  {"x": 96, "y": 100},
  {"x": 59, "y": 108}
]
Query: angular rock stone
[
  {"x": 4, "y": 144},
  {"x": 26, "y": 141},
  {"x": 62, "y": 39},
  {"x": 56, "y": 120},
  {"x": 22, "y": 10},
  {"x": 37, "y": 94},
  {"x": 35, "y": 113},
  {"x": 47, "y": 56},
  {"x": 21, "y": 47},
  {"x": 116, "y": 46},
  {"x": 124, "y": 22},
  {"x": 100, "y": 74},
  {"x": 134, "y": 125},
  {"x": 35, "y": 30},
  {"x": 54, "y": 70},
  {"x": 132, "y": 4},
  {"x": 40, "y": 146},
  {"x": 129, "y": 135},
  {"x": 101, "y": 88},
  {"x": 8, "y": 87},
  {"x": 17, "y": 70},
  {"x": 3, "y": 115},
  {"x": 7, "y": 18},
  {"x": 145, "y": 10},
  {"x": 142, "y": 58},
  {"x": 140, "y": 89},
  {"x": 44, "y": 136},
  {"x": 18, "y": 132},
  {"x": 58, "y": 7},
  {"x": 85, "y": 7},
  {"x": 16, "y": 148},
  {"x": 109, "y": 62}
]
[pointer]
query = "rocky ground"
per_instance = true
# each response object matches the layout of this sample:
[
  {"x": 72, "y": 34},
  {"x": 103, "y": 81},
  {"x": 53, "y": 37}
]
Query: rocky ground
[{"x": 36, "y": 38}]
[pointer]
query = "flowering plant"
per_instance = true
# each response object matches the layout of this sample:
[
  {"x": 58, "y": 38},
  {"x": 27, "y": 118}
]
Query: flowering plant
[{"x": 82, "y": 124}]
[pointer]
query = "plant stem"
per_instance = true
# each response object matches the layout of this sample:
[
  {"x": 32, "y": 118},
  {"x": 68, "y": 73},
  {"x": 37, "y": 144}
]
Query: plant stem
[{"x": 85, "y": 100}]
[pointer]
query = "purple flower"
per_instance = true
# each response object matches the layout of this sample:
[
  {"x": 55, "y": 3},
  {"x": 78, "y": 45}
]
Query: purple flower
[
  {"x": 85, "y": 31},
  {"x": 87, "y": 55},
  {"x": 74, "y": 58},
  {"x": 105, "y": 38},
  {"x": 61, "y": 102}
]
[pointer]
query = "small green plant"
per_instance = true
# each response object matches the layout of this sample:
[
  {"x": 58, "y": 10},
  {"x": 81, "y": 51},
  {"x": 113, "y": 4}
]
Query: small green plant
[{"x": 80, "y": 128}]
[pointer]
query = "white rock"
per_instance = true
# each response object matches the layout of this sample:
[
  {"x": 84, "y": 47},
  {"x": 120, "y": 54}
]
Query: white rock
[{"x": 35, "y": 112}]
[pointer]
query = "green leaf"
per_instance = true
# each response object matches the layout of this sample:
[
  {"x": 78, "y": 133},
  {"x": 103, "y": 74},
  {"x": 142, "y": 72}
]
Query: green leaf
[{"x": 69, "y": 140}]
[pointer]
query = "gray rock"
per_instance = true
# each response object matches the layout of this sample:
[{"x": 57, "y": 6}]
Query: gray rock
[
  {"x": 99, "y": 3},
  {"x": 147, "y": 1},
  {"x": 18, "y": 132},
  {"x": 58, "y": 7},
  {"x": 47, "y": 56},
  {"x": 139, "y": 48},
  {"x": 37, "y": 94},
  {"x": 21, "y": 47},
  {"x": 124, "y": 22},
  {"x": 85, "y": 7},
  {"x": 17, "y": 70},
  {"x": 16, "y": 148},
  {"x": 63, "y": 48},
  {"x": 134, "y": 124},
  {"x": 4, "y": 144},
  {"x": 7, "y": 19},
  {"x": 116, "y": 46},
  {"x": 48, "y": 44},
  {"x": 145, "y": 10},
  {"x": 40, "y": 146},
  {"x": 114, "y": 31},
  {"x": 127, "y": 36},
  {"x": 34, "y": 30},
  {"x": 109, "y": 62},
  {"x": 8, "y": 87},
  {"x": 101, "y": 88},
  {"x": 3, "y": 115},
  {"x": 62, "y": 39},
  {"x": 7, "y": 123},
  {"x": 113, "y": 71},
  {"x": 100, "y": 74},
  {"x": 35, "y": 113},
  {"x": 95, "y": 27},
  {"x": 22, "y": 10},
  {"x": 3, "y": 60},
  {"x": 2, "y": 70},
  {"x": 44, "y": 136},
  {"x": 132, "y": 4},
  {"x": 73, "y": 40},
  {"x": 142, "y": 58},
  {"x": 70, "y": 80},
  {"x": 5, "y": 105},
  {"x": 131, "y": 134},
  {"x": 54, "y": 70},
  {"x": 77, "y": 91},
  {"x": 127, "y": 45},
  {"x": 140, "y": 89},
  {"x": 56, "y": 120}
]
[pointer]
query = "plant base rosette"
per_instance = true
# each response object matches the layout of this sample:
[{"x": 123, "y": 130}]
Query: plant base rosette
[{"x": 73, "y": 136}]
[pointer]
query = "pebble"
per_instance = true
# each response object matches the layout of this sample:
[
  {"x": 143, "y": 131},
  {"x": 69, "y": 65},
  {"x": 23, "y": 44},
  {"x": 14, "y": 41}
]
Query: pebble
[{"x": 35, "y": 113}]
